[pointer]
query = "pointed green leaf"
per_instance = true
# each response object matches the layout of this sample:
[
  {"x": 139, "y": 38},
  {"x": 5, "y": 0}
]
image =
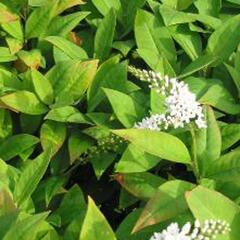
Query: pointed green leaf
[
  {"x": 95, "y": 226},
  {"x": 159, "y": 144}
]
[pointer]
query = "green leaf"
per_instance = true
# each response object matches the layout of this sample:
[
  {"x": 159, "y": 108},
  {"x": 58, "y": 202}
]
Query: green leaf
[
  {"x": 156, "y": 36},
  {"x": 25, "y": 102},
  {"x": 235, "y": 76},
  {"x": 220, "y": 46},
  {"x": 141, "y": 185},
  {"x": 156, "y": 62},
  {"x": 73, "y": 199},
  {"x": 52, "y": 136},
  {"x": 208, "y": 141},
  {"x": 65, "y": 4},
  {"x": 188, "y": 40},
  {"x": 159, "y": 144},
  {"x": 71, "y": 79},
  {"x": 172, "y": 17},
  {"x": 218, "y": 96},
  {"x": 230, "y": 135},
  {"x": 127, "y": 116},
  {"x": 39, "y": 19},
  {"x": 104, "y": 36},
  {"x": 16, "y": 144},
  {"x": 124, "y": 46},
  {"x": 95, "y": 226},
  {"x": 67, "y": 114},
  {"x": 68, "y": 47},
  {"x": 213, "y": 92},
  {"x": 42, "y": 87},
  {"x": 104, "y": 6},
  {"x": 15, "y": 29},
  {"x": 78, "y": 143},
  {"x": 101, "y": 162},
  {"x": 7, "y": 205},
  {"x": 5, "y": 124},
  {"x": 22, "y": 228},
  {"x": 6, "y": 222},
  {"x": 6, "y": 55},
  {"x": 134, "y": 160},
  {"x": 30, "y": 177},
  {"x": 226, "y": 168},
  {"x": 32, "y": 58},
  {"x": 178, "y": 4},
  {"x": 166, "y": 203},
  {"x": 200, "y": 63},
  {"x": 208, "y": 204},
  {"x": 104, "y": 79},
  {"x": 208, "y": 7},
  {"x": 128, "y": 12},
  {"x": 6, "y": 15},
  {"x": 63, "y": 25},
  {"x": 14, "y": 45}
]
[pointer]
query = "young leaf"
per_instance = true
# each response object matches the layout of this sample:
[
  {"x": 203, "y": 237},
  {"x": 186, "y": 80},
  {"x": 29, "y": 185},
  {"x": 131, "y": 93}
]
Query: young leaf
[
  {"x": 95, "y": 226},
  {"x": 159, "y": 144},
  {"x": 104, "y": 36}
]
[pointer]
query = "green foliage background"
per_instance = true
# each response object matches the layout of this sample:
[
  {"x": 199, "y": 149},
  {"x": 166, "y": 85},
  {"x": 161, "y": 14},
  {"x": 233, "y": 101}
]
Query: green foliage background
[{"x": 71, "y": 165}]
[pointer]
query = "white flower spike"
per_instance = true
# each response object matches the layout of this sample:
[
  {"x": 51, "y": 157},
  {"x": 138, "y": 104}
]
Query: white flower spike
[
  {"x": 181, "y": 104},
  {"x": 206, "y": 231}
]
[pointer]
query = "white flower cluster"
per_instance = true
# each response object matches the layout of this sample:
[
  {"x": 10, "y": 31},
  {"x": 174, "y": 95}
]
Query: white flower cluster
[
  {"x": 181, "y": 104},
  {"x": 206, "y": 231}
]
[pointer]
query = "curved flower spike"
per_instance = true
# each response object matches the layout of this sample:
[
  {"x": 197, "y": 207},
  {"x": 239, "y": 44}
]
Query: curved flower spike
[
  {"x": 206, "y": 231},
  {"x": 181, "y": 104}
]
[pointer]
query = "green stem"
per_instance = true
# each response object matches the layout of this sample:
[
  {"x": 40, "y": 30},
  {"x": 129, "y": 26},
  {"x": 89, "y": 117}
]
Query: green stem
[{"x": 194, "y": 153}]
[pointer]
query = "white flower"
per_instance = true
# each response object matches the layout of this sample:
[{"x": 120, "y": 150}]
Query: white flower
[
  {"x": 181, "y": 104},
  {"x": 207, "y": 231}
]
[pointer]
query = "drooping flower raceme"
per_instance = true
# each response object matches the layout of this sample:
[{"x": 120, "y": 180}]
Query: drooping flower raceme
[
  {"x": 181, "y": 104},
  {"x": 206, "y": 231}
]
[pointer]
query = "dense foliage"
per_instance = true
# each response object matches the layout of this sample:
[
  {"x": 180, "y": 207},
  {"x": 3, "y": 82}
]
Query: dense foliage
[{"x": 75, "y": 159}]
